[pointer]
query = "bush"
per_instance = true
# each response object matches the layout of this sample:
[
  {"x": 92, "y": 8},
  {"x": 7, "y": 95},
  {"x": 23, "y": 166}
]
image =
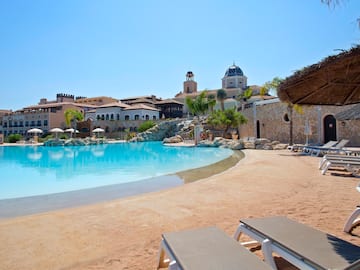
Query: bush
[
  {"x": 145, "y": 126},
  {"x": 13, "y": 138}
]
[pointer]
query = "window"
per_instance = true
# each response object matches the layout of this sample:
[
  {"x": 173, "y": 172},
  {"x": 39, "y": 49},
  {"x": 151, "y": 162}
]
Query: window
[
  {"x": 112, "y": 117},
  {"x": 107, "y": 117},
  {"x": 118, "y": 117},
  {"x": 39, "y": 123},
  {"x": 45, "y": 122},
  {"x": 127, "y": 118},
  {"x": 26, "y": 123},
  {"x": 286, "y": 118},
  {"x": 147, "y": 117},
  {"x": 137, "y": 117},
  {"x": 102, "y": 117},
  {"x": 154, "y": 117}
]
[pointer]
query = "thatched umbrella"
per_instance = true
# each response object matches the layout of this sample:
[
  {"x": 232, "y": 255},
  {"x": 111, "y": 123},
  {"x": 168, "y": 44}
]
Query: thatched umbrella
[{"x": 333, "y": 81}]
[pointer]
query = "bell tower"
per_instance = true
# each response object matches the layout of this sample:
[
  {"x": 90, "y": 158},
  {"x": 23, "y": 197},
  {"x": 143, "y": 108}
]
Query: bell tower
[{"x": 190, "y": 86}]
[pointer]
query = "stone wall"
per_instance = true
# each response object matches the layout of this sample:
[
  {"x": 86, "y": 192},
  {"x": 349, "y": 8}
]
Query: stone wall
[{"x": 274, "y": 125}]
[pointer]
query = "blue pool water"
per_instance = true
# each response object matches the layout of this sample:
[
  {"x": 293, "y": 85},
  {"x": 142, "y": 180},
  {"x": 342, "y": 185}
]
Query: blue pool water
[{"x": 38, "y": 170}]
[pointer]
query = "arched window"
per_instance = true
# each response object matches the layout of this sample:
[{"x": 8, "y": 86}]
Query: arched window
[
  {"x": 286, "y": 118},
  {"x": 147, "y": 117},
  {"x": 137, "y": 117},
  {"x": 98, "y": 117},
  {"x": 127, "y": 117},
  {"x": 118, "y": 117},
  {"x": 154, "y": 117},
  {"x": 107, "y": 117},
  {"x": 112, "y": 116},
  {"x": 102, "y": 117}
]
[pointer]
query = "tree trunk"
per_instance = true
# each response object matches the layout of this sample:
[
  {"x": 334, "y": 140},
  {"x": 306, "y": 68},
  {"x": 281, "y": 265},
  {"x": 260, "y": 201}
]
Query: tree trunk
[{"x": 290, "y": 111}]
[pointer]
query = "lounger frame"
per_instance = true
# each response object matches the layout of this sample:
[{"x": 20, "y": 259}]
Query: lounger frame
[
  {"x": 268, "y": 248},
  {"x": 205, "y": 249},
  {"x": 284, "y": 237}
]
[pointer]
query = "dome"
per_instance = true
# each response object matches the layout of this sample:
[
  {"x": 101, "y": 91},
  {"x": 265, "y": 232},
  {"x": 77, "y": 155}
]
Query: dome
[{"x": 234, "y": 70}]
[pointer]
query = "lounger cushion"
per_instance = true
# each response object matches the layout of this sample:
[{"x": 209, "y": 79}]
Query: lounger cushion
[
  {"x": 321, "y": 249},
  {"x": 210, "y": 249}
]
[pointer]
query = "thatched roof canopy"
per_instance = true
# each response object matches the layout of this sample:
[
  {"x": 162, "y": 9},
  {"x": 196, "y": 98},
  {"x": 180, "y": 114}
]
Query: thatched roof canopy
[
  {"x": 333, "y": 81},
  {"x": 351, "y": 114}
]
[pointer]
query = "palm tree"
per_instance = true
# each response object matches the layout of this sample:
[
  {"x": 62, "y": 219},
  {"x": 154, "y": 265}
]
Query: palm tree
[
  {"x": 211, "y": 102},
  {"x": 72, "y": 116},
  {"x": 221, "y": 96},
  {"x": 244, "y": 96},
  {"x": 226, "y": 119},
  {"x": 199, "y": 105}
]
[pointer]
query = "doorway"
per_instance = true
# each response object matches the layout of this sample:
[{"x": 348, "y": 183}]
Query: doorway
[
  {"x": 329, "y": 128},
  {"x": 258, "y": 129}
]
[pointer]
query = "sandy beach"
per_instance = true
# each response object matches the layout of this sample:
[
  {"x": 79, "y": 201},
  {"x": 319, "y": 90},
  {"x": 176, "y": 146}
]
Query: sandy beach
[{"x": 126, "y": 233}]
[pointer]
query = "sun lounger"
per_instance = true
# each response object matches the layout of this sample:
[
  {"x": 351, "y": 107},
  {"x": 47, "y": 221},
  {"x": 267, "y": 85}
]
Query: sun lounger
[
  {"x": 303, "y": 246},
  {"x": 311, "y": 149},
  {"x": 333, "y": 149},
  {"x": 354, "y": 219},
  {"x": 207, "y": 249},
  {"x": 349, "y": 165},
  {"x": 296, "y": 147},
  {"x": 338, "y": 157}
]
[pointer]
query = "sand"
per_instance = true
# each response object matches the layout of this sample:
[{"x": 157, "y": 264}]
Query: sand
[{"x": 126, "y": 233}]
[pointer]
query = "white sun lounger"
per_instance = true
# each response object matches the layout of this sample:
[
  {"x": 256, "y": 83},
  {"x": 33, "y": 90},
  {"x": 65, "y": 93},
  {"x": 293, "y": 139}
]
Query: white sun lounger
[
  {"x": 352, "y": 166},
  {"x": 205, "y": 249},
  {"x": 327, "y": 158},
  {"x": 337, "y": 148},
  {"x": 303, "y": 246},
  {"x": 310, "y": 149}
]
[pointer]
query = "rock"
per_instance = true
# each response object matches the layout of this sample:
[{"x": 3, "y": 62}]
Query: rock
[
  {"x": 174, "y": 139},
  {"x": 224, "y": 143},
  {"x": 280, "y": 146},
  {"x": 159, "y": 132}
]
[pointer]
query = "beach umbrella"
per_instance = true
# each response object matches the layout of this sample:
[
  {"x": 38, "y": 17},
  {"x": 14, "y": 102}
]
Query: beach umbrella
[
  {"x": 71, "y": 130},
  {"x": 333, "y": 81},
  {"x": 56, "y": 131},
  {"x": 35, "y": 130},
  {"x": 98, "y": 130}
]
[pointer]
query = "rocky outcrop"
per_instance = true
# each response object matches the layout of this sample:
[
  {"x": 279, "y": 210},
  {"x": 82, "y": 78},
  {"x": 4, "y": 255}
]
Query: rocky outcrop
[
  {"x": 159, "y": 132},
  {"x": 222, "y": 142},
  {"x": 74, "y": 142},
  {"x": 174, "y": 139}
]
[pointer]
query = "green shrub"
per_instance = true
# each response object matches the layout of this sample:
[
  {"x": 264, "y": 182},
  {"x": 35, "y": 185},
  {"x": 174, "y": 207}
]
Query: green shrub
[
  {"x": 13, "y": 138},
  {"x": 145, "y": 126}
]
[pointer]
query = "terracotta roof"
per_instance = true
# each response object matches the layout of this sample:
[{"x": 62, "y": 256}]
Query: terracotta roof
[
  {"x": 140, "y": 107},
  {"x": 55, "y": 104},
  {"x": 169, "y": 101},
  {"x": 333, "y": 81},
  {"x": 114, "y": 104}
]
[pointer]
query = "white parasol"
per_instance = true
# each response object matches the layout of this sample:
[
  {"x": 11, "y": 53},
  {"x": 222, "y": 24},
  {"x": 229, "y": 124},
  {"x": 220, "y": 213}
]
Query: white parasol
[
  {"x": 56, "y": 131},
  {"x": 35, "y": 130}
]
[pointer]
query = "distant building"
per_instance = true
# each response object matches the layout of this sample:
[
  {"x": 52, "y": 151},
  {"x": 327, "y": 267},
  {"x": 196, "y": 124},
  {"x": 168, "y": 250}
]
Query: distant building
[
  {"x": 234, "y": 83},
  {"x": 46, "y": 115},
  {"x": 234, "y": 78}
]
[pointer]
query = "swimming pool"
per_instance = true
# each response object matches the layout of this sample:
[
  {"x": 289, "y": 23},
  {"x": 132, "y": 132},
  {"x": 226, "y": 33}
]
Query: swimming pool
[{"x": 38, "y": 170}]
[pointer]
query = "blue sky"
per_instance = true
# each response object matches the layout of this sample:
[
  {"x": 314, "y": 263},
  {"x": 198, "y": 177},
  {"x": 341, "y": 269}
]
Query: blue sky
[{"x": 125, "y": 48}]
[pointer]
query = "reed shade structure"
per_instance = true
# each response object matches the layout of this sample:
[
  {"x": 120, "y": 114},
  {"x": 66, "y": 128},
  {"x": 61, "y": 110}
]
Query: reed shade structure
[
  {"x": 333, "y": 81},
  {"x": 351, "y": 114}
]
